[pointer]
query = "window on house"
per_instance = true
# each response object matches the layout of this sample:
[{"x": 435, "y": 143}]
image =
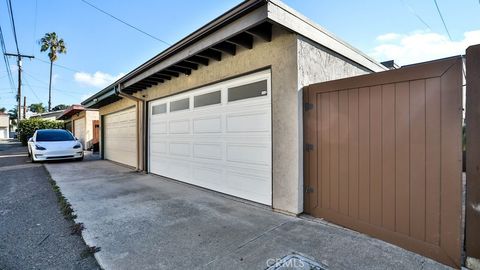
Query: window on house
[
  {"x": 178, "y": 105},
  {"x": 251, "y": 90},
  {"x": 207, "y": 99}
]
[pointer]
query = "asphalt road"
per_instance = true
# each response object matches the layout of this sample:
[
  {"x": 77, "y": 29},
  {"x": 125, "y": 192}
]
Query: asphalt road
[{"x": 33, "y": 232}]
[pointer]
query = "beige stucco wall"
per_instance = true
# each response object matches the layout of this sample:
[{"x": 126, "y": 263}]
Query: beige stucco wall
[
  {"x": 87, "y": 116},
  {"x": 4, "y": 120},
  {"x": 90, "y": 116}
]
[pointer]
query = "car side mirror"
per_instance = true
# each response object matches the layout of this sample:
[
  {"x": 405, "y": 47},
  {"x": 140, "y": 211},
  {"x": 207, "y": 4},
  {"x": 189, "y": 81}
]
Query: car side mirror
[
  {"x": 76, "y": 139},
  {"x": 30, "y": 139}
]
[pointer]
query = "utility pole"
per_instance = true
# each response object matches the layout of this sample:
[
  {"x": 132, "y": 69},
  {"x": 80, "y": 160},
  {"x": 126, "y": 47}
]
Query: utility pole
[
  {"x": 19, "y": 94},
  {"x": 24, "y": 107}
]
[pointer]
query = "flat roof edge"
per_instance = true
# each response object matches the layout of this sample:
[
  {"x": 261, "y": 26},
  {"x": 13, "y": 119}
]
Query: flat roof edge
[{"x": 305, "y": 27}]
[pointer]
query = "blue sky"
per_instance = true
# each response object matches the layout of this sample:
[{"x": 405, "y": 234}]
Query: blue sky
[{"x": 100, "y": 49}]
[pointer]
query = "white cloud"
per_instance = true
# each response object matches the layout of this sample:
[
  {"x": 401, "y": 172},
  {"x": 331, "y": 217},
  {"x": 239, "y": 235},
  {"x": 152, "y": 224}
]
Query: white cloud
[
  {"x": 421, "y": 46},
  {"x": 388, "y": 37},
  {"x": 98, "y": 79}
]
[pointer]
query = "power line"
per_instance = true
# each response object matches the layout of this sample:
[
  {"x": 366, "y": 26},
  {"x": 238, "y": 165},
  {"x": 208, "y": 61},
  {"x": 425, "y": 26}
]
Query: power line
[
  {"x": 10, "y": 13},
  {"x": 124, "y": 22},
  {"x": 416, "y": 14},
  {"x": 31, "y": 89},
  {"x": 45, "y": 83},
  {"x": 57, "y": 65},
  {"x": 7, "y": 62},
  {"x": 443, "y": 21}
]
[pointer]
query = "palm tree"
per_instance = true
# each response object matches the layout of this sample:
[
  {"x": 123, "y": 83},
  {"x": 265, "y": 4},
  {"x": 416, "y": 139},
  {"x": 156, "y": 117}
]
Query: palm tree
[{"x": 50, "y": 42}]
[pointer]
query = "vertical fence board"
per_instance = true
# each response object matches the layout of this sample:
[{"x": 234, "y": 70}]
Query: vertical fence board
[
  {"x": 334, "y": 148},
  {"x": 353, "y": 152},
  {"x": 417, "y": 159},
  {"x": 343, "y": 151},
  {"x": 364, "y": 153},
  {"x": 402, "y": 157},
  {"x": 376, "y": 155},
  {"x": 325, "y": 121},
  {"x": 432, "y": 154},
  {"x": 388, "y": 154}
]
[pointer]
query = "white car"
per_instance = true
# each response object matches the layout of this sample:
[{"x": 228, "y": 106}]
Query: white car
[{"x": 54, "y": 144}]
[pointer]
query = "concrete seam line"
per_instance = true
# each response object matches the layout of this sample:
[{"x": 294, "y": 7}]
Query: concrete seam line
[{"x": 250, "y": 241}]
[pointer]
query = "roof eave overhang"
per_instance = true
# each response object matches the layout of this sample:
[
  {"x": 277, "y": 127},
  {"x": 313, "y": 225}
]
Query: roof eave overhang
[{"x": 101, "y": 98}]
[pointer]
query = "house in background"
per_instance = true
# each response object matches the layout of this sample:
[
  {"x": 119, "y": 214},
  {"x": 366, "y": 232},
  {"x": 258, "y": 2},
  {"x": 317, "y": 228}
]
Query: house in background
[
  {"x": 83, "y": 123},
  {"x": 222, "y": 108},
  {"x": 47, "y": 115},
  {"x": 4, "y": 125}
]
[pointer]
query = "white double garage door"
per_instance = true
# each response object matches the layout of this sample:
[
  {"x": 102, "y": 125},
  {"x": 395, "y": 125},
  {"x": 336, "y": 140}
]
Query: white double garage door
[{"x": 217, "y": 137}]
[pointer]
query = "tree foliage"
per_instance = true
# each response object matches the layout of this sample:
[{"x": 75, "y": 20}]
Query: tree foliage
[
  {"x": 54, "y": 45},
  {"x": 3, "y": 109},
  {"x": 27, "y": 127},
  {"x": 13, "y": 112},
  {"x": 37, "y": 107},
  {"x": 60, "y": 107}
]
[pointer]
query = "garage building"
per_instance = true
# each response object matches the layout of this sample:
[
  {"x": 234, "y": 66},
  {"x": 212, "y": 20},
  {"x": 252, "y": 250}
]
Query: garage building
[{"x": 222, "y": 108}]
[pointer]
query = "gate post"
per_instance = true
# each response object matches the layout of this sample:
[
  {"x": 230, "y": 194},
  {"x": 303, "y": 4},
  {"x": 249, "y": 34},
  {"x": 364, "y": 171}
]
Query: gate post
[{"x": 472, "y": 204}]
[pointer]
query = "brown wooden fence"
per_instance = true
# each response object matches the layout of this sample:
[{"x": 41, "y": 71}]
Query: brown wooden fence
[{"x": 383, "y": 156}]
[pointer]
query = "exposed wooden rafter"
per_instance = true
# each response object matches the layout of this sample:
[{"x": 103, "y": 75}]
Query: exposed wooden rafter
[
  {"x": 185, "y": 71},
  {"x": 211, "y": 54},
  {"x": 169, "y": 73},
  {"x": 243, "y": 39},
  {"x": 263, "y": 31},
  {"x": 198, "y": 60},
  {"x": 225, "y": 47},
  {"x": 185, "y": 64}
]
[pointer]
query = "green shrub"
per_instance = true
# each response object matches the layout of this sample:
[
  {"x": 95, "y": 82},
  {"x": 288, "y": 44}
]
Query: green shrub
[{"x": 27, "y": 127}]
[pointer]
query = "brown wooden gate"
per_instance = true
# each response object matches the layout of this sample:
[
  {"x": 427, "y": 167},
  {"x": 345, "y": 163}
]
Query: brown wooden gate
[{"x": 383, "y": 156}]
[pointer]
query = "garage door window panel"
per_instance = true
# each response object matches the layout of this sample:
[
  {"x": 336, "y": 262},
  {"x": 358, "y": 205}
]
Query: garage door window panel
[
  {"x": 207, "y": 99},
  {"x": 180, "y": 105},
  {"x": 251, "y": 90},
  {"x": 159, "y": 109}
]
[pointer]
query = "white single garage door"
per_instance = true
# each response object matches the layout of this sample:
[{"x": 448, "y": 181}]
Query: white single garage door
[
  {"x": 120, "y": 137},
  {"x": 79, "y": 130},
  {"x": 217, "y": 137}
]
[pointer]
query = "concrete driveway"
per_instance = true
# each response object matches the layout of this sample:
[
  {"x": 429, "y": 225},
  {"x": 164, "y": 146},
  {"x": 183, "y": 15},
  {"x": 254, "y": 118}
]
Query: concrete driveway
[{"x": 148, "y": 222}]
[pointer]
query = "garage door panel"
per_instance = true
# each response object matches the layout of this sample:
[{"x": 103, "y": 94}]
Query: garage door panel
[
  {"x": 208, "y": 151},
  {"x": 120, "y": 137},
  {"x": 248, "y": 122},
  {"x": 213, "y": 146},
  {"x": 179, "y": 126},
  {"x": 250, "y": 154},
  {"x": 207, "y": 125},
  {"x": 180, "y": 149}
]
